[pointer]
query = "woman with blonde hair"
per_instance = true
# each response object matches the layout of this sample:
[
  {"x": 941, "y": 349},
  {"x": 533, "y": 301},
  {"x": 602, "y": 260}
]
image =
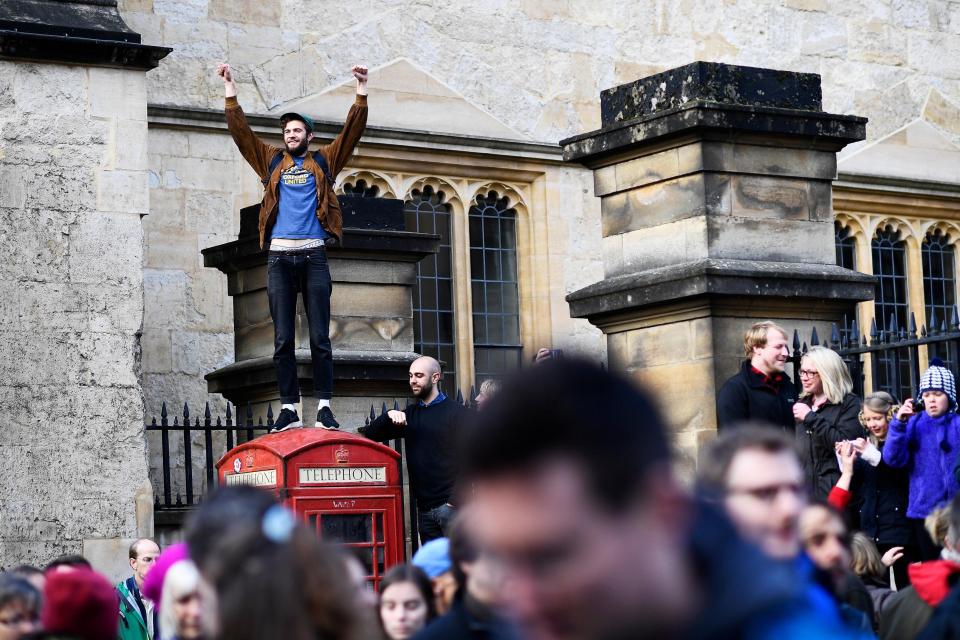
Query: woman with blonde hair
[
  {"x": 181, "y": 607},
  {"x": 827, "y": 413}
]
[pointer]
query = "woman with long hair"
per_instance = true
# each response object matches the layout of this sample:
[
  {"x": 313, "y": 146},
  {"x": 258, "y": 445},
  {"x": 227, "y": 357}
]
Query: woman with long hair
[
  {"x": 827, "y": 413},
  {"x": 181, "y": 603},
  {"x": 406, "y": 601},
  {"x": 271, "y": 575}
]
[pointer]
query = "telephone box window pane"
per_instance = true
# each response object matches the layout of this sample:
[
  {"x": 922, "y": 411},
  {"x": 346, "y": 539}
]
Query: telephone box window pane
[
  {"x": 379, "y": 517},
  {"x": 381, "y": 563},
  {"x": 352, "y": 527},
  {"x": 366, "y": 558}
]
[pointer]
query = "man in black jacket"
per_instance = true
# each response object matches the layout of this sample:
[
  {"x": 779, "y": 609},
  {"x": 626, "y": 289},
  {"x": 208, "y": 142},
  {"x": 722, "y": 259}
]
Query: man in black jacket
[
  {"x": 430, "y": 427},
  {"x": 761, "y": 392}
]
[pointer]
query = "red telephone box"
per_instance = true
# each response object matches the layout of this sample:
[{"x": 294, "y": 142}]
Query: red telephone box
[{"x": 346, "y": 487}]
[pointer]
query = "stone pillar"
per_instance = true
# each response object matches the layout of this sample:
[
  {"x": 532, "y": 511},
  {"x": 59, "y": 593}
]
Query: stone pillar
[
  {"x": 73, "y": 189},
  {"x": 371, "y": 324},
  {"x": 715, "y": 188}
]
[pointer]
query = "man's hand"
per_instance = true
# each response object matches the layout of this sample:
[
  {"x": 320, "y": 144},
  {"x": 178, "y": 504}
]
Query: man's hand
[
  {"x": 229, "y": 87},
  {"x": 398, "y": 418},
  {"x": 360, "y": 72},
  {"x": 906, "y": 410}
]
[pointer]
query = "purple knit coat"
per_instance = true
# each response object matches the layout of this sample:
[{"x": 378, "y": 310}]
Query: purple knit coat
[{"x": 928, "y": 447}]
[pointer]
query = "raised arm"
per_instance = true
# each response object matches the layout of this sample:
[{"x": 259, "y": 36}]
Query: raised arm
[
  {"x": 896, "y": 450},
  {"x": 387, "y": 426},
  {"x": 338, "y": 152},
  {"x": 254, "y": 151}
]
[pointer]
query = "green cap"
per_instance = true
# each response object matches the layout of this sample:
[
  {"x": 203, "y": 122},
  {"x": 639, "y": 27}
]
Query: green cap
[{"x": 287, "y": 117}]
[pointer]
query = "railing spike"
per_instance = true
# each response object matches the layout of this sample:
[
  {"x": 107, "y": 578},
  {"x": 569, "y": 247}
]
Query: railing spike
[
  {"x": 373, "y": 414},
  {"x": 229, "y": 412},
  {"x": 186, "y": 413},
  {"x": 163, "y": 409},
  {"x": 459, "y": 398},
  {"x": 796, "y": 340},
  {"x": 804, "y": 348},
  {"x": 473, "y": 393},
  {"x": 153, "y": 422},
  {"x": 219, "y": 424},
  {"x": 954, "y": 319},
  {"x": 933, "y": 320},
  {"x": 249, "y": 412},
  {"x": 383, "y": 408},
  {"x": 873, "y": 329},
  {"x": 270, "y": 411},
  {"x": 396, "y": 405},
  {"x": 175, "y": 423},
  {"x": 814, "y": 338},
  {"x": 923, "y": 331},
  {"x": 912, "y": 330},
  {"x": 835, "y": 333},
  {"x": 260, "y": 422},
  {"x": 892, "y": 326},
  {"x": 206, "y": 411}
]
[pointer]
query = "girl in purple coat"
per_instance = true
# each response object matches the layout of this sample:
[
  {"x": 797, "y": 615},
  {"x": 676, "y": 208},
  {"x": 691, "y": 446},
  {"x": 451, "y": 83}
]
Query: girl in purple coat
[{"x": 927, "y": 444}]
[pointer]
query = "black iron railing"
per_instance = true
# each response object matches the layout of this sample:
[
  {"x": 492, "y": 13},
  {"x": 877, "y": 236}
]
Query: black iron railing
[
  {"x": 891, "y": 353},
  {"x": 184, "y": 427}
]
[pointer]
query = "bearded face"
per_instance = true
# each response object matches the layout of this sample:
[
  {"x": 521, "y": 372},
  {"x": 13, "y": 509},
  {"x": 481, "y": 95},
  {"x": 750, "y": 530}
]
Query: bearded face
[{"x": 296, "y": 137}]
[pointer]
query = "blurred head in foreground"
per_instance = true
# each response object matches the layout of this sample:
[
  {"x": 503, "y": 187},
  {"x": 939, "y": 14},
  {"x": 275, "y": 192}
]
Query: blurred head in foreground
[
  {"x": 271, "y": 575},
  {"x": 573, "y": 495},
  {"x": 754, "y": 472}
]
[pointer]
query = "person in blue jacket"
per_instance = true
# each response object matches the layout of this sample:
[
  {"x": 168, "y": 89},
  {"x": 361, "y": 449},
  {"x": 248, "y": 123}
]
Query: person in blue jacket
[{"x": 926, "y": 443}]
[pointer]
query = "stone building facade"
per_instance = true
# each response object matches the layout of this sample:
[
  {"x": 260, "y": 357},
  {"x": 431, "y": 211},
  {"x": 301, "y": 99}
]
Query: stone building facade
[
  {"x": 464, "y": 85},
  {"x": 468, "y": 100}
]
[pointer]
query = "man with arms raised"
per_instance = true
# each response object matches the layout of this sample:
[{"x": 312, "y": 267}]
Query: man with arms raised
[
  {"x": 299, "y": 217},
  {"x": 430, "y": 426},
  {"x": 761, "y": 392}
]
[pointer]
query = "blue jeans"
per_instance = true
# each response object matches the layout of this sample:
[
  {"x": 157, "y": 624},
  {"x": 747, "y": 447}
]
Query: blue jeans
[
  {"x": 305, "y": 272},
  {"x": 434, "y": 523}
]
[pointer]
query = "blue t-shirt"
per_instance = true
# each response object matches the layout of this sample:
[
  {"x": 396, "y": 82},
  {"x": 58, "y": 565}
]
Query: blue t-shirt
[{"x": 297, "y": 215}]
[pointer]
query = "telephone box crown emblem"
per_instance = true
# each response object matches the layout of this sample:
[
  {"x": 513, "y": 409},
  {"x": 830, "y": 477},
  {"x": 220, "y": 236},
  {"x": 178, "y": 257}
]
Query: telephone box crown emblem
[
  {"x": 341, "y": 455},
  {"x": 250, "y": 460}
]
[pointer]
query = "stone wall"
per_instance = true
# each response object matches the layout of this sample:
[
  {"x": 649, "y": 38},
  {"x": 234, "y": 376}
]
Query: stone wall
[
  {"x": 73, "y": 188},
  {"x": 536, "y": 66},
  {"x": 539, "y": 65}
]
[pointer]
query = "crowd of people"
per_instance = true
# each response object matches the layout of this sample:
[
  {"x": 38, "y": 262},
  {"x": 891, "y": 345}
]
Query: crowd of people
[{"x": 816, "y": 516}]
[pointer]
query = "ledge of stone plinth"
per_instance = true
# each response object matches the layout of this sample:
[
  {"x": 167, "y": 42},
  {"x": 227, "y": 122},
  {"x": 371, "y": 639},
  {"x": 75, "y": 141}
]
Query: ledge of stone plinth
[
  {"x": 363, "y": 244},
  {"x": 354, "y": 373},
  {"x": 714, "y": 99},
  {"x": 720, "y": 278},
  {"x": 83, "y": 32}
]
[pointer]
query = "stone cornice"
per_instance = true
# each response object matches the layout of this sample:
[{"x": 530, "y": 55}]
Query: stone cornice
[
  {"x": 212, "y": 119},
  {"x": 87, "y": 32}
]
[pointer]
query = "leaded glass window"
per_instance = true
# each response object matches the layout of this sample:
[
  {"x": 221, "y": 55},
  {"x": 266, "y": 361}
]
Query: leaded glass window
[
  {"x": 427, "y": 211},
  {"x": 845, "y": 245},
  {"x": 493, "y": 271},
  {"x": 890, "y": 301},
  {"x": 939, "y": 287}
]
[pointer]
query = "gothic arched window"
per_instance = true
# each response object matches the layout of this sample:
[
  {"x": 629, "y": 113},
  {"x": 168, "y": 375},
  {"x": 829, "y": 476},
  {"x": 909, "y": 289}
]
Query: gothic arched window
[
  {"x": 939, "y": 286},
  {"x": 426, "y": 211},
  {"x": 493, "y": 272},
  {"x": 890, "y": 302}
]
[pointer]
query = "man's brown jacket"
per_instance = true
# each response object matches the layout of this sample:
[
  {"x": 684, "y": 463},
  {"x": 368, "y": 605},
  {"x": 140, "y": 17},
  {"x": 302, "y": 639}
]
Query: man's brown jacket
[{"x": 258, "y": 155}]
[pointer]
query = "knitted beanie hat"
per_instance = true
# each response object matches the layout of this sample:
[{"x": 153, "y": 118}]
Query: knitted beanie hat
[
  {"x": 80, "y": 604},
  {"x": 939, "y": 378}
]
